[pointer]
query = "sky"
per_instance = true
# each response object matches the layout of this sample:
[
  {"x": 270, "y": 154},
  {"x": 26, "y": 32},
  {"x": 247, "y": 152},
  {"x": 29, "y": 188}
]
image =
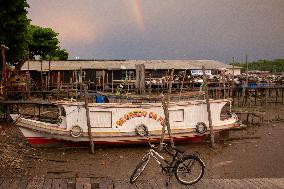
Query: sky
[{"x": 165, "y": 29}]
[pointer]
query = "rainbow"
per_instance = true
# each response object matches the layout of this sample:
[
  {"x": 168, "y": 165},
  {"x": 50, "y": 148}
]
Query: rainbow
[{"x": 137, "y": 9}]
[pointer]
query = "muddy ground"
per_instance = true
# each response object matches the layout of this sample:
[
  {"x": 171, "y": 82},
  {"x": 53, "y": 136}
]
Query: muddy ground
[{"x": 256, "y": 151}]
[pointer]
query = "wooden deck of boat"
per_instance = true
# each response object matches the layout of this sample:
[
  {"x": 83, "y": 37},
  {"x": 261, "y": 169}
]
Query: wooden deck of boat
[{"x": 105, "y": 183}]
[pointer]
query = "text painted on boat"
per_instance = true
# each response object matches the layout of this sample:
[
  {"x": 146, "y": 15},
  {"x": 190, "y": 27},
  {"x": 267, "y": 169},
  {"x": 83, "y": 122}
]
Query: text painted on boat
[{"x": 139, "y": 113}]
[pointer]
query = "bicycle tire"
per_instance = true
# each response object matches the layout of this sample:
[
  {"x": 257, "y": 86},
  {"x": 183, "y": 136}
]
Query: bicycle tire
[
  {"x": 140, "y": 168},
  {"x": 182, "y": 169}
]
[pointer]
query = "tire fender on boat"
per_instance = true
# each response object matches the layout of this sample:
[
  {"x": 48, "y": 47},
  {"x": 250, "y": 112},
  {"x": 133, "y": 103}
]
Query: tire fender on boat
[
  {"x": 201, "y": 127},
  {"x": 76, "y": 131},
  {"x": 142, "y": 130}
]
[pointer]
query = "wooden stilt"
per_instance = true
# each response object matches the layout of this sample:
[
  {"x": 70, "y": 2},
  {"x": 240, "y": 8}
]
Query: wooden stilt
[
  {"x": 166, "y": 123},
  {"x": 81, "y": 84},
  {"x": 111, "y": 81},
  {"x": 88, "y": 120},
  {"x": 208, "y": 108}
]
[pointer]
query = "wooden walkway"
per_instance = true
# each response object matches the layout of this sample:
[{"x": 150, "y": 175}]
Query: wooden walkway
[{"x": 104, "y": 183}]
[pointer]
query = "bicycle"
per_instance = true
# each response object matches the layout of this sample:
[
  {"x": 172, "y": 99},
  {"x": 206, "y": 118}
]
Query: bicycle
[{"x": 182, "y": 165}]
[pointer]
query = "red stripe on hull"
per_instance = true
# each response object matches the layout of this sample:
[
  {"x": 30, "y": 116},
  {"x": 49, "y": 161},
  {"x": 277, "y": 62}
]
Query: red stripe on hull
[{"x": 41, "y": 141}]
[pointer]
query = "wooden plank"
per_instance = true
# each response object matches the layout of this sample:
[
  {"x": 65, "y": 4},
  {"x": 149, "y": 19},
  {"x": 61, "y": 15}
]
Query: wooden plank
[
  {"x": 210, "y": 183},
  {"x": 119, "y": 184},
  {"x": 143, "y": 184},
  {"x": 256, "y": 182},
  {"x": 248, "y": 183},
  {"x": 5, "y": 184},
  {"x": 35, "y": 183},
  {"x": 83, "y": 183},
  {"x": 201, "y": 184},
  {"x": 47, "y": 184},
  {"x": 225, "y": 183},
  {"x": 1, "y": 179},
  {"x": 55, "y": 184},
  {"x": 154, "y": 184},
  {"x": 59, "y": 184},
  {"x": 71, "y": 183},
  {"x": 105, "y": 183},
  {"x": 267, "y": 183},
  {"x": 23, "y": 183},
  {"x": 238, "y": 183},
  {"x": 15, "y": 183},
  {"x": 177, "y": 185},
  {"x": 278, "y": 182}
]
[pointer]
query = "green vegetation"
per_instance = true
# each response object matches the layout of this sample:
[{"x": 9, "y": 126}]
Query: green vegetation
[
  {"x": 43, "y": 42},
  {"x": 13, "y": 30},
  {"x": 19, "y": 36},
  {"x": 273, "y": 66}
]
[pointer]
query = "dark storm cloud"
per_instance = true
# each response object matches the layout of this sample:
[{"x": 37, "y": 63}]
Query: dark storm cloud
[{"x": 165, "y": 29}]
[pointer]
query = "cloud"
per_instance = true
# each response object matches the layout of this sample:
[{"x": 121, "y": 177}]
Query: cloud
[{"x": 168, "y": 29}]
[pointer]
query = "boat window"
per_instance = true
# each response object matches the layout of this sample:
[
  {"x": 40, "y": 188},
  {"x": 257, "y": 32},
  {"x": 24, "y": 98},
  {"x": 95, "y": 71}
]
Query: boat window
[
  {"x": 176, "y": 115},
  {"x": 101, "y": 119}
]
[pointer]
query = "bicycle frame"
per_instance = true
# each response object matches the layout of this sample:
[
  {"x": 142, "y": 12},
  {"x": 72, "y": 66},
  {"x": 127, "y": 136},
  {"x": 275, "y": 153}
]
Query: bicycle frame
[{"x": 157, "y": 156}]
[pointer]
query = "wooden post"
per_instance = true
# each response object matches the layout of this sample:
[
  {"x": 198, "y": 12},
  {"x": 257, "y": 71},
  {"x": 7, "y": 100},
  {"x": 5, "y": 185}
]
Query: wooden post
[
  {"x": 142, "y": 79},
  {"x": 181, "y": 88},
  {"x": 29, "y": 78},
  {"x": 107, "y": 82},
  {"x": 166, "y": 123},
  {"x": 67, "y": 91},
  {"x": 150, "y": 87},
  {"x": 58, "y": 84},
  {"x": 171, "y": 80},
  {"x": 255, "y": 96},
  {"x": 233, "y": 82},
  {"x": 76, "y": 84},
  {"x": 103, "y": 80},
  {"x": 7, "y": 113},
  {"x": 208, "y": 108},
  {"x": 276, "y": 95},
  {"x": 111, "y": 81},
  {"x": 81, "y": 84},
  {"x": 224, "y": 84},
  {"x": 88, "y": 120},
  {"x": 282, "y": 95},
  {"x": 127, "y": 80},
  {"x": 48, "y": 82},
  {"x": 219, "y": 87},
  {"x": 244, "y": 92},
  {"x": 265, "y": 97},
  {"x": 246, "y": 70},
  {"x": 41, "y": 75}
]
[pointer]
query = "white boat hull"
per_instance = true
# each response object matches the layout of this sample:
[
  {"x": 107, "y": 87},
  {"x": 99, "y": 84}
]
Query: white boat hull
[{"x": 116, "y": 123}]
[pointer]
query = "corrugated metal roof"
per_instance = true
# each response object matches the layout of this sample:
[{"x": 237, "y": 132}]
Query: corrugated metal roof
[{"x": 128, "y": 64}]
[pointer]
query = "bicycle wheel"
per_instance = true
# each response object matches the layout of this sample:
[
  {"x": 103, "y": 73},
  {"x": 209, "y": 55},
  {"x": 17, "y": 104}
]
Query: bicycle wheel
[
  {"x": 189, "y": 170},
  {"x": 140, "y": 168}
]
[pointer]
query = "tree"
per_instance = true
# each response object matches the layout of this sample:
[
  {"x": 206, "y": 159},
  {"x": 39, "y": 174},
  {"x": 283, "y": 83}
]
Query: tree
[
  {"x": 273, "y": 66},
  {"x": 43, "y": 42},
  {"x": 13, "y": 30}
]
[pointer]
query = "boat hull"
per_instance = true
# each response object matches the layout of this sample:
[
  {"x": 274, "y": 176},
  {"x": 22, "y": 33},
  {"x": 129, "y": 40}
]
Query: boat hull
[
  {"x": 44, "y": 139},
  {"x": 117, "y": 123}
]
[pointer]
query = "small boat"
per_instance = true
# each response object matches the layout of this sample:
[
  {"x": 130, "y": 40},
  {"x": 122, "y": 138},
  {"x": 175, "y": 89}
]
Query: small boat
[{"x": 115, "y": 123}]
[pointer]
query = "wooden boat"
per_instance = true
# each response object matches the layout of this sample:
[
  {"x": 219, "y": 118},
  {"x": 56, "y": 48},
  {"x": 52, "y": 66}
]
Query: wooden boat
[{"x": 115, "y": 123}]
